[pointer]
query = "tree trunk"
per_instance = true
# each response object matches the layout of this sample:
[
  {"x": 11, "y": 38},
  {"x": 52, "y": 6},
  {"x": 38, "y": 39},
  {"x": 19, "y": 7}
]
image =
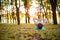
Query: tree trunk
[
  {"x": 0, "y": 9},
  {"x": 53, "y": 5},
  {"x": 0, "y": 18},
  {"x": 27, "y": 16},
  {"x": 54, "y": 16},
  {"x": 0, "y": 5},
  {"x": 17, "y": 12},
  {"x": 19, "y": 3},
  {"x": 41, "y": 2},
  {"x": 7, "y": 17},
  {"x": 11, "y": 2}
]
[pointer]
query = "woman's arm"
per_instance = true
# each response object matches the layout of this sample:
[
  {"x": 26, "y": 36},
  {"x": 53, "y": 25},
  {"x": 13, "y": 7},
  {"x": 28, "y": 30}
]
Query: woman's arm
[
  {"x": 45, "y": 20},
  {"x": 34, "y": 19}
]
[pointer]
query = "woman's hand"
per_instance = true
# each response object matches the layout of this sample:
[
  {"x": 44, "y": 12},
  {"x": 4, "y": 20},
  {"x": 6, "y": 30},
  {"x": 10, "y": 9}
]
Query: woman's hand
[
  {"x": 45, "y": 20},
  {"x": 34, "y": 19}
]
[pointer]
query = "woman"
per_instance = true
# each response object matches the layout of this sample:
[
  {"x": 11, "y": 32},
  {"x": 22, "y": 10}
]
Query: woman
[{"x": 39, "y": 22}]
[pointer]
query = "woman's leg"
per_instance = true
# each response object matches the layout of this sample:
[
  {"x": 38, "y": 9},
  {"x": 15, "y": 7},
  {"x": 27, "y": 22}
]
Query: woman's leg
[
  {"x": 36, "y": 28},
  {"x": 43, "y": 28}
]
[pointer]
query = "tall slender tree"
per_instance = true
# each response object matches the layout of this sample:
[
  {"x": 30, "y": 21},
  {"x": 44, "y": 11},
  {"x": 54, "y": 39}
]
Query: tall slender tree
[
  {"x": 58, "y": 3},
  {"x": 11, "y": 2},
  {"x": 0, "y": 10},
  {"x": 0, "y": 4},
  {"x": 27, "y": 15},
  {"x": 12, "y": 14},
  {"x": 53, "y": 5},
  {"x": 17, "y": 12},
  {"x": 3, "y": 3},
  {"x": 41, "y": 5}
]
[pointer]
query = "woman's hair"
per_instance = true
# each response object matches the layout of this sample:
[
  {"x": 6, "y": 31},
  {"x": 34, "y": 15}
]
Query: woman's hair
[{"x": 40, "y": 26}]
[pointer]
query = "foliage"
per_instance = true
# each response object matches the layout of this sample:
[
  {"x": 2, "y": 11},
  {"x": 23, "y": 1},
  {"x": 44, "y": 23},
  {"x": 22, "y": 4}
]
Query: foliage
[{"x": 4, "y": 3}]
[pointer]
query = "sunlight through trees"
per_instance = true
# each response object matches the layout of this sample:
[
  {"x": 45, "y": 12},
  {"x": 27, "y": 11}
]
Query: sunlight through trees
[{"x": 23, "y": 11}]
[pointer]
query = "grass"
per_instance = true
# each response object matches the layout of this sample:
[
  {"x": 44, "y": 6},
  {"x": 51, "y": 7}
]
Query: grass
[{"x": 27, "y": 32}]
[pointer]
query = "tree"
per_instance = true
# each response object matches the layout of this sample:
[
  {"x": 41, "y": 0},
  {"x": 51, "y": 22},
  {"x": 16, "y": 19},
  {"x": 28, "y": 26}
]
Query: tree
[
  {"x": 0, "y": 9},
  {"x": 27, "y": 5},
  {"x": 0, "y": 4},
  {"x": 12, "y": 2},
  {"x": 3, "y": 3},
  {"x": 13, "y": 14},
  {"x": 41, "y": 5},
  {"x": 53, "y": 5},
  {"x": 58, "y": 7},
  {"x": 17, "y": 12}
]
